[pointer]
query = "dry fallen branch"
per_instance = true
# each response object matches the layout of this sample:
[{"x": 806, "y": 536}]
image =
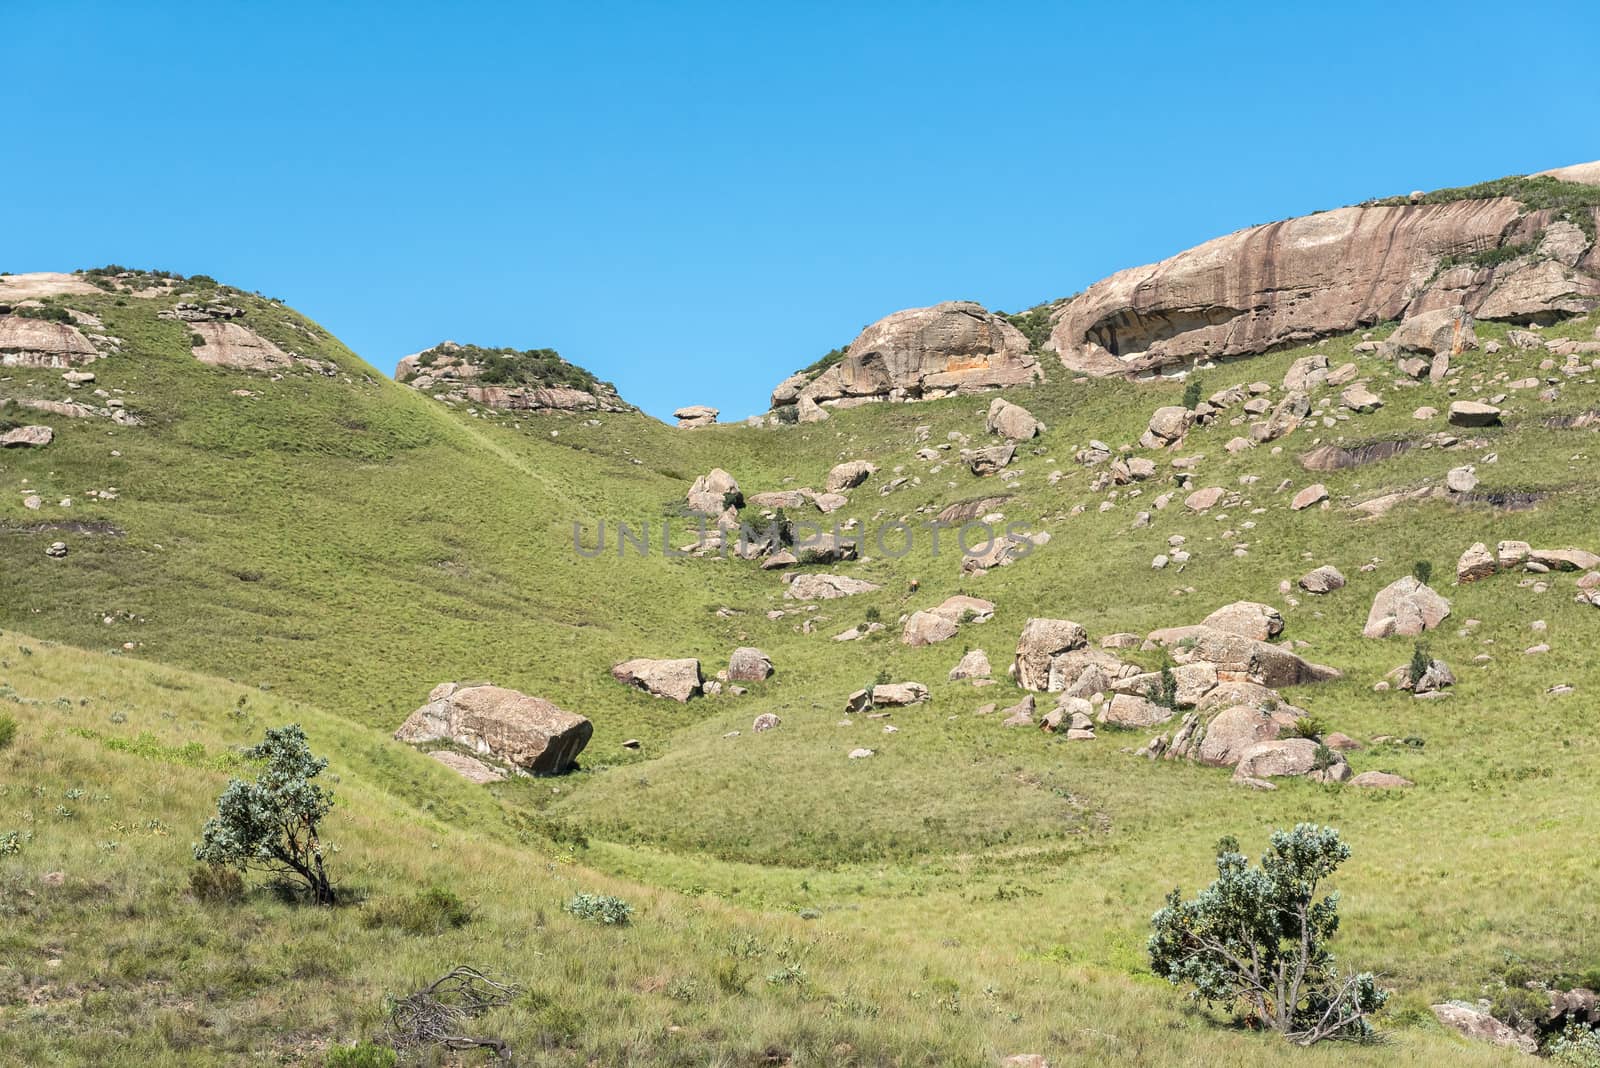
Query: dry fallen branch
[{"x": 434, "y": 1014}]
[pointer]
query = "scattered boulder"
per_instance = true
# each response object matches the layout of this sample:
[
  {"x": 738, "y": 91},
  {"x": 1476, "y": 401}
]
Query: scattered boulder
[
  {"x": 1475, "y": 564},
  {"x": 897, "y": 694},
  {"x": 1235, "y": 729},
  {"x": 1405, "y": 608},
  {"x": 1307, "y": 373},
  {"x": 1473, "y": 414},
  {"x": 678, "y": 679},
  {"x": 749, "y": 664},
  {"x": 1235, "y": 655},
  {"x": 714, "y": 493},
  {"x": 988, "y": 461},
  {"x": 1447, "y": 331},
  {"x": 1379, "y": 780},
  {"x": 963, "y": 609},
  {"x": 1204, "y": 500},
  {"x": 1167, "y": 427},
  {"x": 927, "y": 628},
  {"x": 849, "y": 475},
  {"x": 56, "y": 550},
  {"x": 1132, "y": 711},
  {"x": 1323, "y": 580},
  {"x": 1247, "y": 619},
  {"x": 765, "y": 722},
  {"x": 1313, "y": 494},
  {"x": 973, "y": 665},
  {"x": 1042, "y": 641},
  {"x": 822, "y": 587},
  {"x": 1461, "y": 479},
  {"x": 1435, "y": 679},
  {"x": 1011, "y": 421},
  {"x": 26, "y": 437},
  {"x": 1361, "y": 399},
  {"x": 1002, "y": 552},
  {"x": 1019, "y": 714},
  {"x": 696, "y": 415},
  {"x": 1479, "y": 1026},
  {"x": 526, "y": 732},
  {"x": 1565, "y": 559},
  {"x": 1281, "y": 758}
]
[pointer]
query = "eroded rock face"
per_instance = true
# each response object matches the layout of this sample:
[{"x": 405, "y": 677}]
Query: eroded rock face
[
  {"x": 27, "y": 342},
  {"x": 920, "y": 353},
  {"x": 695, "y": 415},
  {"x": 1287, "y": 283},
  {"x": 1042, "y": 641},
  {"x": 526, "y": 732},
  {"x": 227, "y": 344}
]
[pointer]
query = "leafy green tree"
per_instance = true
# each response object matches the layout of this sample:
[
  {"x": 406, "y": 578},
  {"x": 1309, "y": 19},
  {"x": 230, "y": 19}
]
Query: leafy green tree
[
  {"x": 1257, "y": 938},
  {"x": 1191, "y": 393},
  {"x": 271, "y": 824}
]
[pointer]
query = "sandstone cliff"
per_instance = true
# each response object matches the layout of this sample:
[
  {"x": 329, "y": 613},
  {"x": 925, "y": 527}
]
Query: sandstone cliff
[
  {"x": 920, "y": 353},
  {"x": 507, "y": 379},
  {"x": 1528, "y": 255}
]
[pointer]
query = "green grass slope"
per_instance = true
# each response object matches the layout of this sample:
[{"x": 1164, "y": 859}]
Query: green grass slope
[{"x": 347, "y": 543}]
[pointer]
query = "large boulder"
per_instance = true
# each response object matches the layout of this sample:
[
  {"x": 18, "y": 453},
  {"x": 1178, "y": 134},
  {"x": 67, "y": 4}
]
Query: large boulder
[
  {"x": 1131, "y": 711},
  {"x": 714, "y": 493},
  {"x": 821, "y": 587},
  {"x": 227, "y": 344},
  {"x": 1236, "y": 655},
  {"x": 1280, "y": 758},
  {"x": 1307, "y": 373},
  {"x": 1473, "y": 414},
  {"x": 1476, "y": 563},
  {"x": 926, "y": 628},
  {"x": 678, "y": 679},
  {"x": 1405, "y": 608},
  {"x": 29, "y": 342},
  {"x": 960, "y": 608},
  {"x": 24, "y": 437},
  {"x": 695, "y": 415},
  {"x": 526, "y": 732},
  {"x": 973, "y": 665},
  {"x": 949, "y": 348},
  {"x": 1248, "y": 619},
  {"x": 1441, "y": 332},
  {"x": 1286, "y": 283},
  {"x": 988, "y": 461},
  {"x": 1042, "y": 641},
  {"x": 848, "y": 475},
  {"x": 1190, "y": 681},
  {"x": 1234, "y": 730},
  {"x": 1476, "y": 1024},
  {"x": 1011, "y": 421},
  {"x": 1167, "y": 426},
  {"x": 749, "y": 664},
  {"x": 1324, "y": 579}
]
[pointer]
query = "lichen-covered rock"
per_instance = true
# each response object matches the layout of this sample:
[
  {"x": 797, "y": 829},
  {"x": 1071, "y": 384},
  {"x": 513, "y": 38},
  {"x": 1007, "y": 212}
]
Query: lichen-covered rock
[
  {"x": 527, "y": 732},
  {"x": 24, "y": 437}
]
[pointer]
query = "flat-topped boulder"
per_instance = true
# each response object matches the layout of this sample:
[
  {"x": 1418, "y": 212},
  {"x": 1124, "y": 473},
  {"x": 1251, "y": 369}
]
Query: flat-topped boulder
[
  {"x": 528, "y": 733},
  {"x": 1270, "y": 665},
  {"x": 696, "y": 415},
  {"x": 1281, "y": 758},
  {"x": 920, "y": 353},
  {"x": 1473, "y": 414},
  {"x": 26, "y": 437},
  {"x": 678, "y": 679},
  {"x": 817, "y": 586},
  {"x": 1247, "y": 618}
]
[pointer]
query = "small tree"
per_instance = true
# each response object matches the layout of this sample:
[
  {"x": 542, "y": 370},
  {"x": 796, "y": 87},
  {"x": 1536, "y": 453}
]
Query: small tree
[
  {"x": 1421, "y": 661},
  {"x": 1166, "y": 694},
  {"x": 271, "y": 824},
  {"x": 1191, "y": 393},
  {"x": 1422, "y": 571},
  {"x": 1257, "y": 937}
]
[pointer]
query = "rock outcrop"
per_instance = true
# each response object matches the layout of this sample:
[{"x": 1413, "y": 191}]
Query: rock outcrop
[
  {"x": 454, "y": 372},
  {"x": 1405, "y": 608},
  {"x": 920, "y": 353},
  {"x": 696, "y": 415},
  {"x": 24, "y": 437},
  {"x": 227, "y": 344},
  {"x": 1287, "y": 283},
  {"x": 528, "y": 733},
  {"x": 28, "y": 342}
]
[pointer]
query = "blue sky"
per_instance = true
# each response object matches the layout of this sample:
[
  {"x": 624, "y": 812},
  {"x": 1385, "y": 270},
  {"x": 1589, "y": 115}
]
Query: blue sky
[{"x": 693, "y": 200}]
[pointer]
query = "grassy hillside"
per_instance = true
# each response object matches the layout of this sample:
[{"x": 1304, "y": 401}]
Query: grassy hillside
[{"x": 335, "y": 546}]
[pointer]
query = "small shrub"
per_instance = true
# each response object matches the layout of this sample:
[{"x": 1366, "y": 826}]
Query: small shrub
[
  {"x": 1191, "y": 392},
  {"x": 1520, "y": 1007},
  {"x": 1323, "y": 759},
  {"x": 1576, "y": 1047},
  {"x": 8, "y": 731},
  {"x": 1420, "y": 662},
  {"x": 731, "y": 978},
  {"x": 362, "y": 1055},
  {"x": 873, "y": 614},
  {"x": 1422, "y": 571},
  {"x": 433, "y": 911},
  {"x": 1166, "y": 694},
  {"x": 10, "y": 843},
  {"x": 215, "y": 883},
  {"x": 601, "y": 908},
  {"x": 1306, "y": 727}
]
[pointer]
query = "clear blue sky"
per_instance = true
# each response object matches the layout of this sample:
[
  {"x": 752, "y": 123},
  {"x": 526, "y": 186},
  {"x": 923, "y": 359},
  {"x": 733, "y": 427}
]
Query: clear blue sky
[{"x": 693, "y": 200}]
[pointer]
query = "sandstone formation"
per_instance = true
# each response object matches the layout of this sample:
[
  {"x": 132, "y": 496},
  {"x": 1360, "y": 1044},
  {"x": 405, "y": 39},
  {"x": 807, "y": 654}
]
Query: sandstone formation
[
  {"x": 821, "y": 587},
  {"x": 526, "y": 732},
  {"x": 28, "y": 342},
  {"x": 1405, "y": 608},
  {"x": 1291, "y": 282},
  {"x": 452, "y": 372},
  {"x": 227, "y": 344},
  {"x": 749, "y": 664},
  {"x": 920, "y": 353},
  {"x": 848, "y": 475},
  {"x": 678, "y": 679},
  {"x": 1011, "y": 421},
  {"x": 695, "y": 415},
  {"x": 15, "y": 288},
  {"x": 714, "y": 493}
]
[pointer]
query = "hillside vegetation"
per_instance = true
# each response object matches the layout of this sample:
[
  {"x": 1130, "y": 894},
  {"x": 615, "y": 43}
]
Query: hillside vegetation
[{"x": 324, "y": 548}]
